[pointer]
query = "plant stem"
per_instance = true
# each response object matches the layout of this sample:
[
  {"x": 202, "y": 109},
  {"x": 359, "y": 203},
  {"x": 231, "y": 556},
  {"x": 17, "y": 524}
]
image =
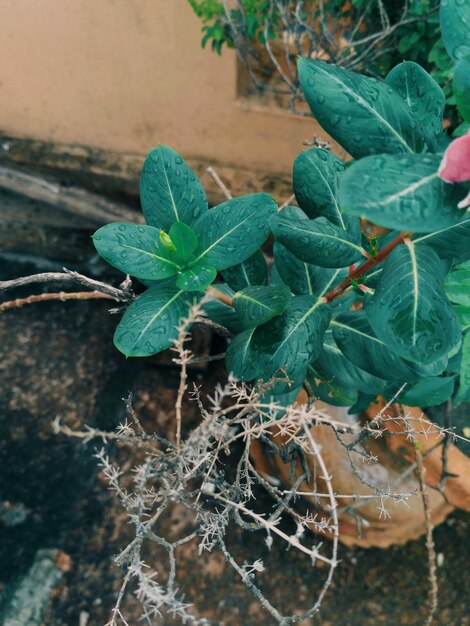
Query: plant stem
[
  {"x": 367, "y": 266},
  {"x": 218, "y": 295},
  {"x": 62, "y": 296}
]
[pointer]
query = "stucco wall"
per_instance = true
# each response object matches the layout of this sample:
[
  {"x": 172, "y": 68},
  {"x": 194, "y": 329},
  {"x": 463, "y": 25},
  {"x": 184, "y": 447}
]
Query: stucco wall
[{"x": 124, "y": 75}]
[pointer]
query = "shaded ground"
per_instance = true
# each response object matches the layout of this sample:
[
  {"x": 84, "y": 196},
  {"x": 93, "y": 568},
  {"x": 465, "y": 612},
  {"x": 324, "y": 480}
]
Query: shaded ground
[{"x": 59, "y": 359}]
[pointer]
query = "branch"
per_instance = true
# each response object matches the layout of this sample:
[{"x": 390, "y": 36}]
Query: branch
[
  {"x": 365, "y": 267},
  {"x": 433, "y": 590},
  {"x": 220, "y": 183},
  {"x": 123, "y": 294},
  {"x": 62, "y": 296}
]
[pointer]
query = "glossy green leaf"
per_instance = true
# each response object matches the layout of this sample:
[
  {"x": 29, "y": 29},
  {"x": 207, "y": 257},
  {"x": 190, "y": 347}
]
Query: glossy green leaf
[
  {"x": 283, "y": 400},
  {"x": 316, "y": 186},
  {"x": 221, "y": 313},
  {"x": 426, "y": 392},
  {"x": 197, "y": 277},
  {"x": 184, "y": 239},
  {"x": 150, "y": 323},
  {"x": 357, "y": 341},
  {"x": 332, "y": 364},
  {"x": 317, "y": 241},
  {"x": 455, "y": 19},
  {"x": 424, "y": 97},
  {"x": 286, "y": 344},
  {"x": 239, "y": 358},
  {"x": 403, "y": 192},
  {"x": 256, "y": 305},
  {"x": 457, "y": 285},
  {"x": 253, "y": 271},
  {"x": 461, "y": 86},
  {"x": 463, "y": 314},
  {"x": 232, "y": 232},
  {"x": 336, "y": 380},
  {"x": 326, "y": 389},
  {"x": 451, "y": 242},
  {"x": 409, "y": 310},
  {"x": 169, "y": 190},
  {"x": 365, "y": 115},
  {"x": 463, "y": 394},
  {"x": 135, "y": 250},
  {"x": 304, "y": 278}
]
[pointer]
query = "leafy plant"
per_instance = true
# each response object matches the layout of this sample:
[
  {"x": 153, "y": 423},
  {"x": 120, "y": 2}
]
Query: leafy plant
[
  {"x": 368, "y": 36},
  {"x": 354, "y": 316}
]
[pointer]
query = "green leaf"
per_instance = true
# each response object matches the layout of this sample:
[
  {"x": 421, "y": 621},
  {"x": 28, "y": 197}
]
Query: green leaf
[
  {"x": 304, "y": 278},
  {"x": 461, "y": 130},
  {"x": 339, "y": 378},
  {"x": 332, "y": 362},
  {"x": 221, "y": 313},
  {"x": 400, "y": 191},
  {"x": 409, "y": 310},
  {"x": 184, "y": 239},
  {"x": 457, "y": 285},
  {"x": 286, "y": 344},
  {"x": 461, "y": 86},
  {"x": 239, "y": 358},
  {"x": 364, "y": 115},
  {"x": 317, "y": 241},
  {"x": 283, "y": 400},
  {"x": 358, "y": 342},
  {"x": 463, "y": 314},
  {"x": 455, "y": 19},
  {"x": 197, "y": 277},
  {"x": 463, "y": 394},
  {"x": 451, "y": 242},
  {"x": 326, "y": 389},
  {"x": 256, "y": 305},
  {"x": 135, "y": 250},
  {"x": 253, "y": 271},
  {"x": 232, "y": 232},
  {"x": 150, "y": 323},
  {"x": 316, "y": 186},
  {"x": 169, "y": 190},
  {"x": 424, "y": 97},
  {"x": 426, "y": 392}
]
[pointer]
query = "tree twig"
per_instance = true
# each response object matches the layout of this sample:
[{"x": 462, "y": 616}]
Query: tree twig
[
  {"x": 365, "y": 267},
  {"x": 219, "y": 183},
  {"x": 61, "y": 295},
  {"x": 433, "y": 591},
  {"x": 123, "y": 294}
]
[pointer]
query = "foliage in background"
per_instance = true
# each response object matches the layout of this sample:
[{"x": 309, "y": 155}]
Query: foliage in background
[
  {"x": 354, "y": 317},
  {"x": 379, "y": 35}
]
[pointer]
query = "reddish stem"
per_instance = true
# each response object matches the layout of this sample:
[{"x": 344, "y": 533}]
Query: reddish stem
[{"x": 366, "y": 267}]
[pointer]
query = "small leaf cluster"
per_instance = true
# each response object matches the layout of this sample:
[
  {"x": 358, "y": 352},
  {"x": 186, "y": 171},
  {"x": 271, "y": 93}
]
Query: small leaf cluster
[
  {"x": 178, "y": 253},
  {"x": 417, "y": 38},
  {"x": 354, "y": 316}
]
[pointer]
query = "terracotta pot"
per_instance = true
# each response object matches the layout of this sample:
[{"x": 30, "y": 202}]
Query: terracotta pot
[{"x": 361, "y": 521}]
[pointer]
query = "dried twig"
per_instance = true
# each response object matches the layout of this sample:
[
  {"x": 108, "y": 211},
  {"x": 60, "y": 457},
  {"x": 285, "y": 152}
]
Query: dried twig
[
  {"x": 220, "y": 183},
  {"x": 62, "y": 296},
  {"x": 124, "y": 294}
]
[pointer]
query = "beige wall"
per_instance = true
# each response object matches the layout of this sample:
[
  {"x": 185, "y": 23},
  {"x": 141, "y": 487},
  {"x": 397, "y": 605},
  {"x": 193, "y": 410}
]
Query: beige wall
[{"x": 124, "y": 75}]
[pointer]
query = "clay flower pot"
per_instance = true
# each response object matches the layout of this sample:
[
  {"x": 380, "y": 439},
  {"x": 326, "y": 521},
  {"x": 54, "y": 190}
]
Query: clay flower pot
[{"x": 377, "y": 522}]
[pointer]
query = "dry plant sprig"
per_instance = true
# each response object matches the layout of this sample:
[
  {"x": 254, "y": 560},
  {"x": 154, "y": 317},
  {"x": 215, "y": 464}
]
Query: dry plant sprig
[{"x": 192, "y": 471}]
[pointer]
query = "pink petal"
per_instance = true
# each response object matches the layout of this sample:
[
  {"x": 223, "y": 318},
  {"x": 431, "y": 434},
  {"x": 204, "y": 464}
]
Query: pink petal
[{"x": 455, "y": 166}]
